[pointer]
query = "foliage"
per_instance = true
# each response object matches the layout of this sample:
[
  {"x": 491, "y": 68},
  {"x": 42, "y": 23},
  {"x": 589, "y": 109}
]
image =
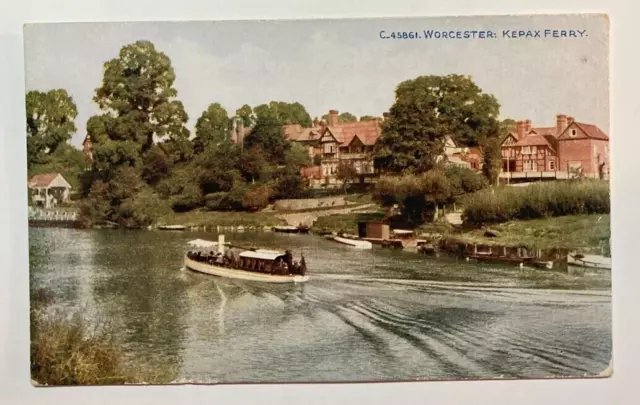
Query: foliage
[
  {"x": 156, "y": 166},
  {"x": 291, "y": 185},
  {"x": 425, "y": 110},
  {"x": 66, "y": 160},
  {"x": 317, "y": 160},
  {"x": 492, "y": 159},
  {"x": 346, "y": 172},
  {"x": 256, "y": 198},
  {"x": 68, "y": 351},
  {"x": 246, "y": 114},
  {"x": 189, "y": 198},
  {"x": 212, "y": 127},
  {"x": 268, "y": 137},
  {"x": 50, "y": 123},
  {"x": 142, "y": 209},
  {"x": 297, "y": 156},
  {"x": 540, "y": 200},
  {"x": 283, "y": 113},
  {"x": 370, "y": 117},
  {"x": 343, "y": 118}
]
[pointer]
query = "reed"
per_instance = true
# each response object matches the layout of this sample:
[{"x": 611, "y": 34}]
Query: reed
[{"x": 542, "y": 200}]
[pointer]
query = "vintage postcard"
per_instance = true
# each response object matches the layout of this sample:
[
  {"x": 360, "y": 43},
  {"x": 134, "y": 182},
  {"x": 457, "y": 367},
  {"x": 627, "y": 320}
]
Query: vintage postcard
[{"x": 353, "y": 200}]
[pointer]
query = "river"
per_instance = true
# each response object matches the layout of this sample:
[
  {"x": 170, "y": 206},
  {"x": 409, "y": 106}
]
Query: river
[{"x": 363, "y": 316}]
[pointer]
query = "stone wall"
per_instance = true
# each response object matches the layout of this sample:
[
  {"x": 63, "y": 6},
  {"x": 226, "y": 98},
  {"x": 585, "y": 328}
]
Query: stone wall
[{"x": 308, "y": 203}]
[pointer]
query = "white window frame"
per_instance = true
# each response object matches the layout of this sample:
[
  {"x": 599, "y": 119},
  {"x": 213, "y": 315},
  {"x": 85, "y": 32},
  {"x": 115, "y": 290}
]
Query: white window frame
[
  {"x": 552, "y": 165},
  {"x": 526, "y": 150},
  {"x": 530, "y": 166}
]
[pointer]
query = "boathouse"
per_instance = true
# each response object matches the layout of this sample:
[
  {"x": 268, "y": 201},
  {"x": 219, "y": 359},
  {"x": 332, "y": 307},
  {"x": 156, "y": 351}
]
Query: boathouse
[{"x": 49, "y": 190}]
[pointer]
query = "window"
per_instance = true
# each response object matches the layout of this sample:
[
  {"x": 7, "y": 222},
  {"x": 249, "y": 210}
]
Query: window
[
  {"x": 530, "y": 166},
  {"x": 552, "y": 165},
  {"x": 574, "y": 132},
  {"x": 526, "y": 150}
]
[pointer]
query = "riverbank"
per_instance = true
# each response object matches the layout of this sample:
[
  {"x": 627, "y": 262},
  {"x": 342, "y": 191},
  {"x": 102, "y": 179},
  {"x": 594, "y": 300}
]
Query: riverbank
[
  {"x": 585, "y": 233},
  {"x": 213, "y": 219}
]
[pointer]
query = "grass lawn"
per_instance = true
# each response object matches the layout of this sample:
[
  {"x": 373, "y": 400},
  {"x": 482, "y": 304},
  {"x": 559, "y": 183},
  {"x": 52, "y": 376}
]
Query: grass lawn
[
  {"x": 221, "y": 218},
  {"x": 586, "y": 233},
  {"x": 364, "y": 198}
]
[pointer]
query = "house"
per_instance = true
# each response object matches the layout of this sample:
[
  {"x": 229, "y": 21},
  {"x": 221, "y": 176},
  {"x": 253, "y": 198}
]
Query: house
[
  {"x": 563, "y": 151},
  {"x": 331, "y": 144},
  {"x": 467, "y": 157},
  {"x": 49, "y": 190}
]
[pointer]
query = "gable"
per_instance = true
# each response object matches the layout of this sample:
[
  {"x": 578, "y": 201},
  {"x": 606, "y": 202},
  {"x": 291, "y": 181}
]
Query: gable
[
  {"x": 59, "y": 181},
  {"x": 327, "y": 137},
  {"x": 356, "y": 141},
  {"x": 509, "y": 140},
  {"x": 573, "y": 131}
]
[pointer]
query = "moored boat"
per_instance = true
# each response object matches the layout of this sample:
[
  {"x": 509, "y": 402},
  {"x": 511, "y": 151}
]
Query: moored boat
[
  {"x": 172, "y": 227},
  {"x": 590, "y": 261},
  {"x": 356, "y": 243},
  {"x": 245, "y": 264}
]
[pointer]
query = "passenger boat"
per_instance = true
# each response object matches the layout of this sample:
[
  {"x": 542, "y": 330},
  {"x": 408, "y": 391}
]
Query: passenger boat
[
  {"x": 264, "y": 265},
  {"x": 356, "y": 243}
]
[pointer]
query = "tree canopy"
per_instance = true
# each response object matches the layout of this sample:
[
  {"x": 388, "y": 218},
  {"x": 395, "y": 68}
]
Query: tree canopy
[
  {"x": 426, "y": 109},
  {"x": 283, "y": 113},
  {"x": 212, "y": 127},
  {"x": 343, "y": 118},
  {"x": 247, "y": 115},
  {"x": 50, "y": 120}
]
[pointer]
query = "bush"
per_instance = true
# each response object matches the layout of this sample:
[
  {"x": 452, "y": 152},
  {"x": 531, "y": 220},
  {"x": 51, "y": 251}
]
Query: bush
[
  {"x": 256, "y": 199},
  {"x": 186, "y": 201},
  {"x": 68, "y": 351},
  {"x": 540, "y": 200}
]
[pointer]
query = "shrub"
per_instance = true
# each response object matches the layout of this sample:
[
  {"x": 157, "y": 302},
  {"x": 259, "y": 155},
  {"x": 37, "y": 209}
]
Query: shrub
[
  {"x": 540, "y": 200},
  {"x": 256, "y": 199},
  {"x": 189, "y": 199}
]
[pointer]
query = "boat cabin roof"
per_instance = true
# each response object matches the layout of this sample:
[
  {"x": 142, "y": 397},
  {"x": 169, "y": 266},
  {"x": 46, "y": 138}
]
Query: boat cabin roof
[
  {"x": 262, "y": 254},
  {"x": 202, "y": 244}
]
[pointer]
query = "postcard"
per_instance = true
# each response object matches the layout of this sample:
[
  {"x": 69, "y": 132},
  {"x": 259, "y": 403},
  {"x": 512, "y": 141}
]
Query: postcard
[{"x": 356, "y": 200}]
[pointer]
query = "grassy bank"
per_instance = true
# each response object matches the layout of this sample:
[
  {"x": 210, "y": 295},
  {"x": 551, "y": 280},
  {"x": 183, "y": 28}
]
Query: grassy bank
[
  {"x": 67, "y": 350},
  {"x": 344, "y": 222},
  {"x": 220, "y": 218},
  {"x": 585, "y": 233},
  {"x": 542, "y": 200}
]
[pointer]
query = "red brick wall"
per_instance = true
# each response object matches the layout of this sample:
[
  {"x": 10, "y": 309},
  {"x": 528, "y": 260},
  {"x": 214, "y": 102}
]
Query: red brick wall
[{"x": 585, "y": 151}]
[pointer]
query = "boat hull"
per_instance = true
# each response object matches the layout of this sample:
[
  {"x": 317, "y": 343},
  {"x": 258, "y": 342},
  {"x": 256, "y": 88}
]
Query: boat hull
[
  {"x": 358, "y": 244},
  {"x": 213, "y": 270}
]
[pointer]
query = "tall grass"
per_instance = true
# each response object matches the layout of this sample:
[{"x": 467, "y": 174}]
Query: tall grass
[
  {"x": 67, "y": 350},
  {"x": 542, "y": 200}
]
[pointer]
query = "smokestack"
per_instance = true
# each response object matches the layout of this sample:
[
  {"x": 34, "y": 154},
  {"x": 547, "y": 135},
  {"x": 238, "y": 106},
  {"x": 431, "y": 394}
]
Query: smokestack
[
  {"x": 333, "y": 118},
  {"x": 520, "y": 127},
  {"x": 561, "y": 123},
  {"x": 527, "y": 126}
]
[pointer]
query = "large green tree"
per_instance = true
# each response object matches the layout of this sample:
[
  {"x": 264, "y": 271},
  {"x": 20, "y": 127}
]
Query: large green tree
[
  {"x": 246, "y": 114},
  {"x": 212, "y": 127},
  {"x": 284, "y": 113},
  {"x": 426, "y": 109},
  {"x": 138, "y": 105},
  {"x": 50, "y": 123}
]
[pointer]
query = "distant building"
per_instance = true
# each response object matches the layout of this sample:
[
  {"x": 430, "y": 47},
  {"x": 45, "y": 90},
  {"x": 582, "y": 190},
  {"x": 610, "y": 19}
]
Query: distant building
[
  {"x": 332, "y": 143},
  {"x": 566, "y": 150},
  {"x": 467, "y": 157},
  {"x": 49, "y": 190},
  {"x": 87, "y": 147}
]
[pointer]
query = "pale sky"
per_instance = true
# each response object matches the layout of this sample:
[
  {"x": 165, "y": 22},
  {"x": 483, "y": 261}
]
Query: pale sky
[{"x": 337, "y": 64}]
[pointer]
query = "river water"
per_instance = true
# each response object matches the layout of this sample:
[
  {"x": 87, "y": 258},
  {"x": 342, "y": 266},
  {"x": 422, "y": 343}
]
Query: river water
[{"x": 364, "y": 315}]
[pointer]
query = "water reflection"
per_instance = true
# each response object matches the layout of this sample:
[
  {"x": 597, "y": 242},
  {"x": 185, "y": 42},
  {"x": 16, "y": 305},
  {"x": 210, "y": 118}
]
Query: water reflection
[{"x": 365, "y": 315}]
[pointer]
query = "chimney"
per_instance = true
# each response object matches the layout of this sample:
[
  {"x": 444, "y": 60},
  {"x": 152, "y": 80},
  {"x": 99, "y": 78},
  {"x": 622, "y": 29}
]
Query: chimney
[
  {"x": 561, "y": 123},
  {"x": 520, "y": 127},
  {"x": 316, "y": 122},
  {"x": 527, "y": 126},
  {"x": 570, "y": 120},
  {"x": 333, "y": 118}
]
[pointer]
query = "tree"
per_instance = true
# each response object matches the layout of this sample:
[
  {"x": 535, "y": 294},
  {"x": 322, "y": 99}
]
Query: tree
[
  {"x": 343, "y": 118},
  {"x": 283, "y": 113},
  {"x": 297, "y": 156},
  {"x": 370, "y": 117},
  {"x": 213, "y": 126},
  {"x": 346, "y": 173},
  {"x": 267, "y": 135},
  {"x": 426, "y": 109},
  {"x": 50, "y": 123},
  {"x": 246, "y": 114},
  {"x": 137, "y": 100}
]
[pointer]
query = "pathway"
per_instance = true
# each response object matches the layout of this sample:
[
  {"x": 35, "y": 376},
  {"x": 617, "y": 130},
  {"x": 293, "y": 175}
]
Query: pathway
[{"x": 308, "y": 218}]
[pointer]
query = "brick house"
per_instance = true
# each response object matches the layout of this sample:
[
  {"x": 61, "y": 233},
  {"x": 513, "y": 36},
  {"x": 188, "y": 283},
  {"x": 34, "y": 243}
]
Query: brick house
[
  {"x": 558, "y": 152},
  {"x": 332, "y": 143},
  {"x": 467, "y": 157}
]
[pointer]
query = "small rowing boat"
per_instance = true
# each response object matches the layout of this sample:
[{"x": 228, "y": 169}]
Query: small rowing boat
[
  {"x": 172, "y": 227},
  {"x": 356, "y": 243}
]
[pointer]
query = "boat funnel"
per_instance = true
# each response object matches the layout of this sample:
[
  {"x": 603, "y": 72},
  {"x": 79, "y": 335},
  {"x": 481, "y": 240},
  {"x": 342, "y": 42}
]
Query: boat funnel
[{"x": 221, "y": 244}]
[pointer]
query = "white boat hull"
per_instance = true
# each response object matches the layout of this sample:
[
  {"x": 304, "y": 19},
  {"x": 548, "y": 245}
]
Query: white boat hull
[
  {"x": 241, "y": 274},
  {"x": 358, "y": 244}
]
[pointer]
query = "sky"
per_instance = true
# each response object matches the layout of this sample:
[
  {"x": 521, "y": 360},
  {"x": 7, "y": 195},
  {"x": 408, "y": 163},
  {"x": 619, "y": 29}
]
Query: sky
[{"x": 337, "y": 64}]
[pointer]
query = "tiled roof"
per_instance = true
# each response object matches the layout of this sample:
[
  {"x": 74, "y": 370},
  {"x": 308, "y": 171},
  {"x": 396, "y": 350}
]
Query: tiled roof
[
  {"x": 545, "y": 131},
  {"x": 367, "y": 131},
  {"x": 593, "y": 131},
  {"x": 42, "y": 180},
  {"x": 533, "y": 140}
]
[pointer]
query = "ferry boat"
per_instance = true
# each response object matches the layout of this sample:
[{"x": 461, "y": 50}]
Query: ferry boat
[{"x": 264, "y": 265}]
